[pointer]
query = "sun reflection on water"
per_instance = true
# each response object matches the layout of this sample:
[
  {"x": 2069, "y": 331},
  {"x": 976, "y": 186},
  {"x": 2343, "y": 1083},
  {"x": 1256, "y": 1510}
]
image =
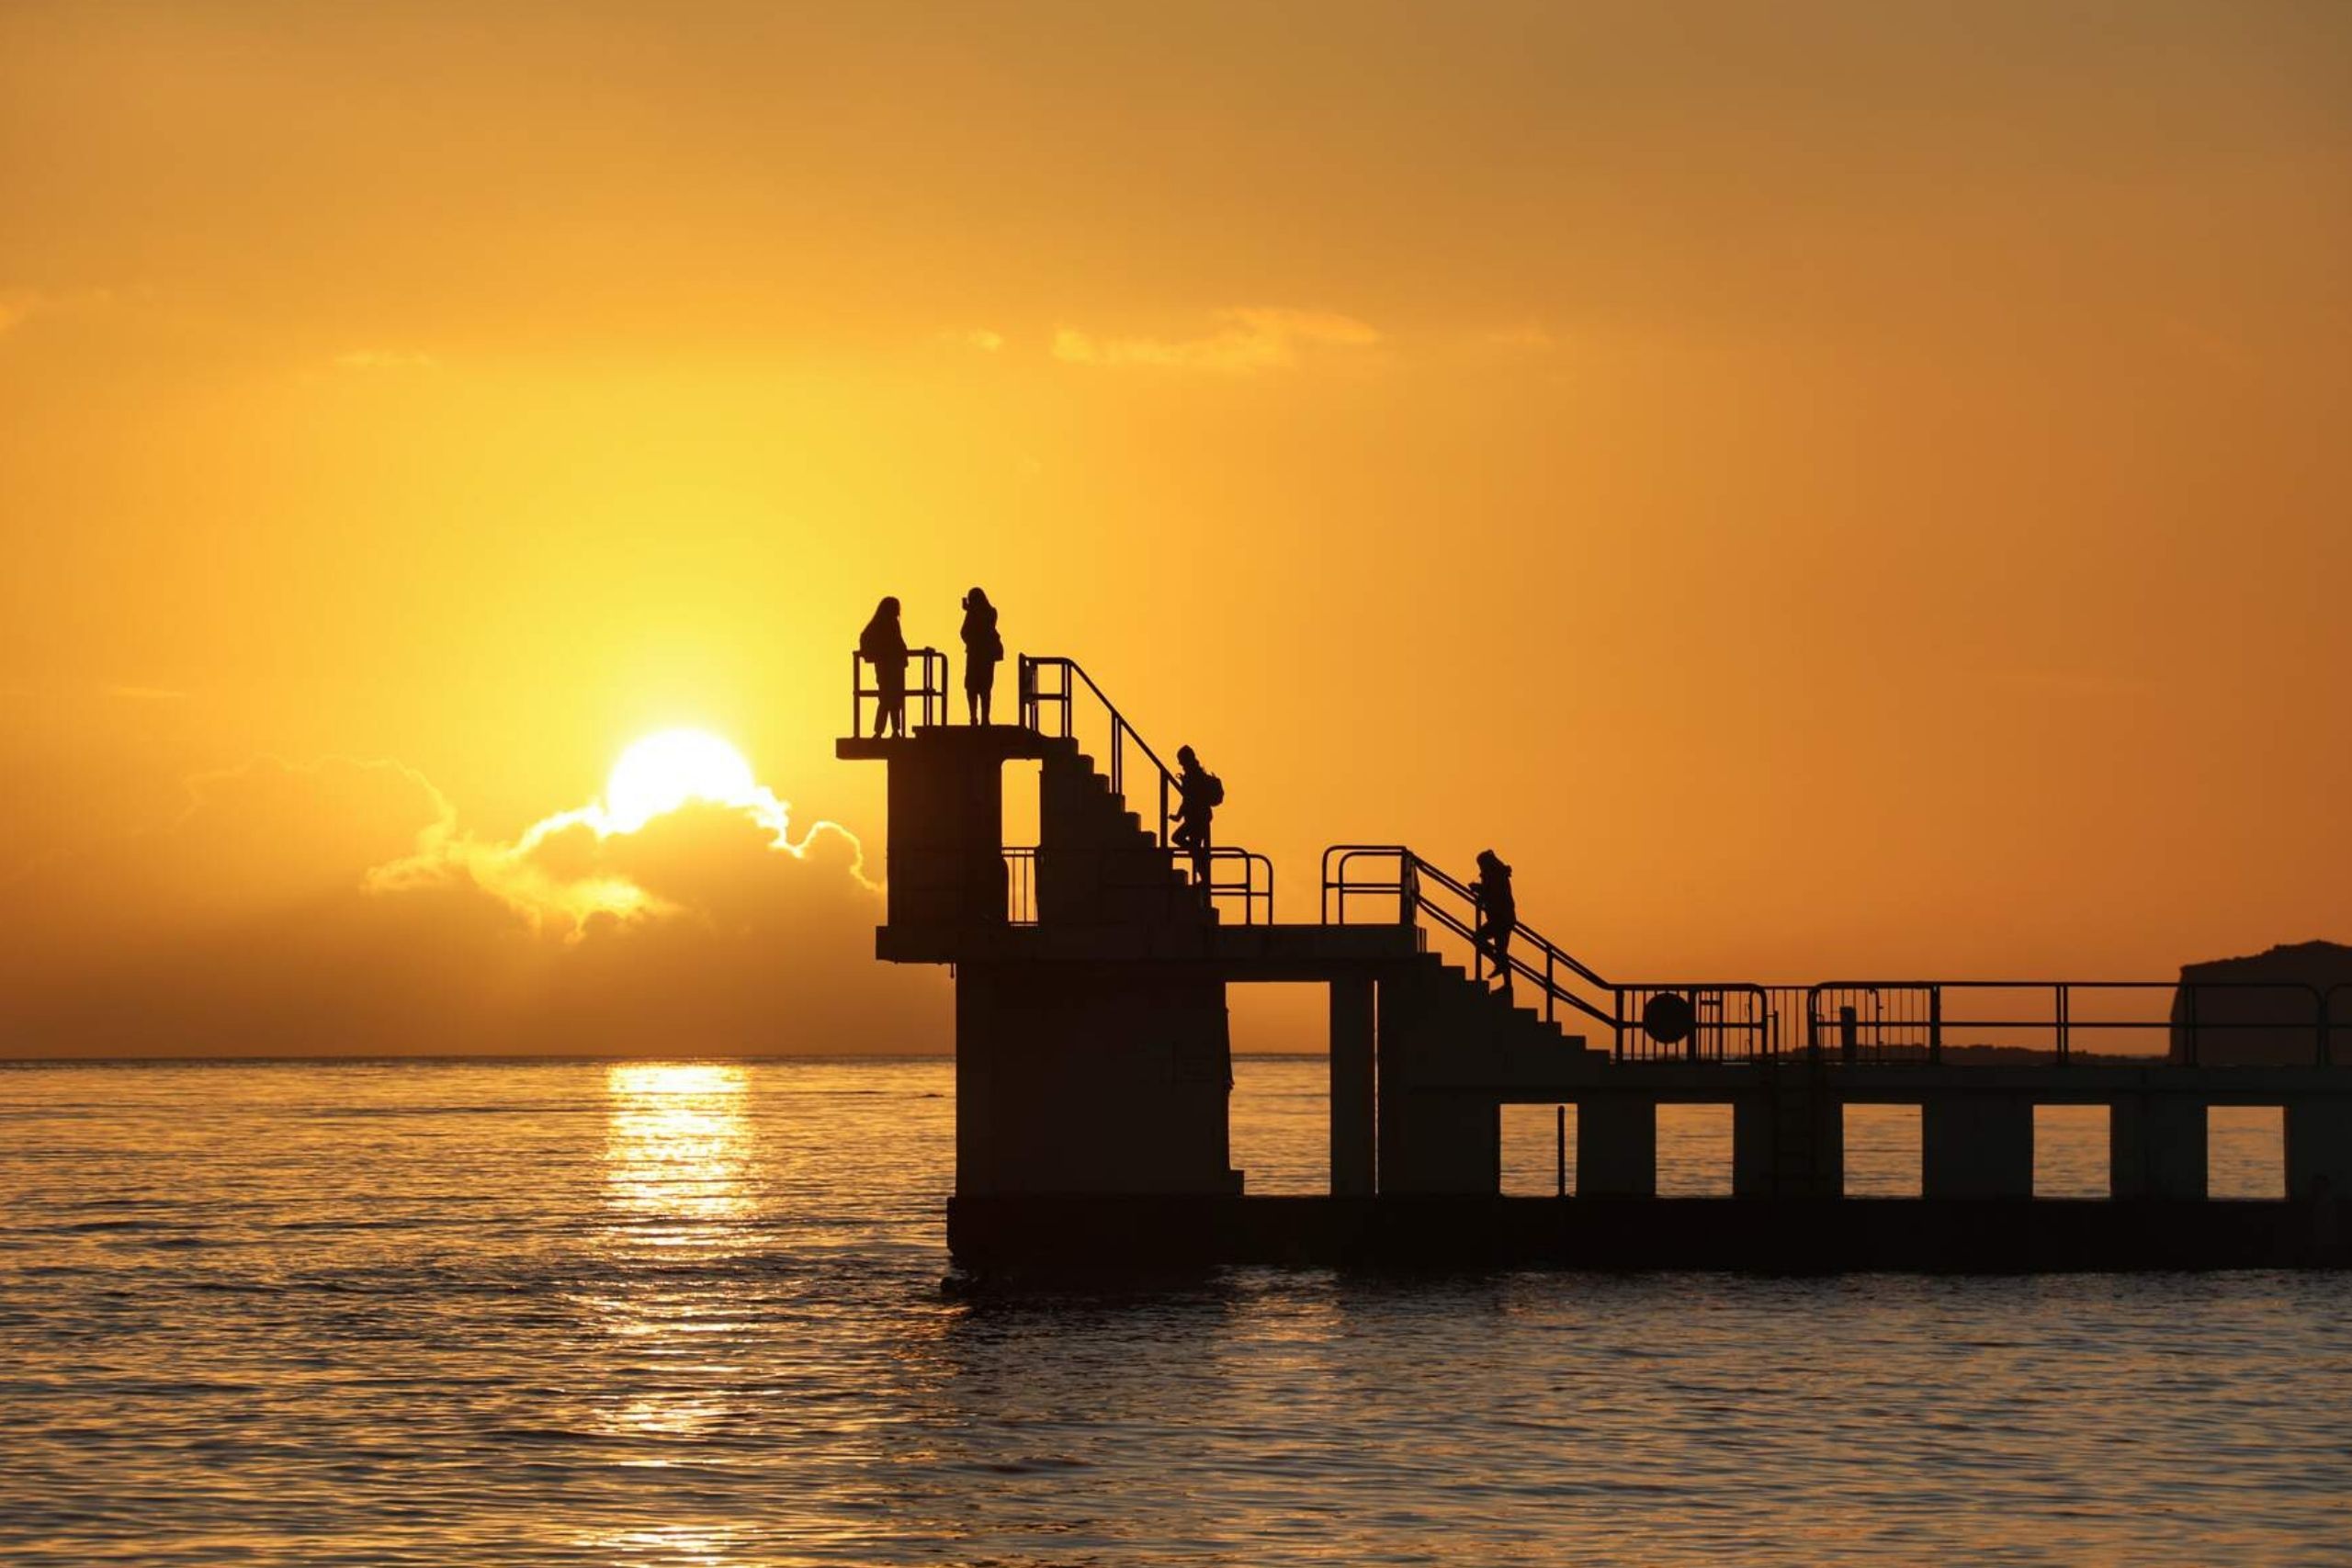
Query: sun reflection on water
[
  {"x": 677, "y": 1149},
  {"x": 680, "y": 1192}
]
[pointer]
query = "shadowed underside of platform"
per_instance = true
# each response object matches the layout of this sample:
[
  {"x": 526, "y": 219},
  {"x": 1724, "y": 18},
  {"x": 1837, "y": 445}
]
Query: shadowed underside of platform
[{"x": 1002, "y": 1237}]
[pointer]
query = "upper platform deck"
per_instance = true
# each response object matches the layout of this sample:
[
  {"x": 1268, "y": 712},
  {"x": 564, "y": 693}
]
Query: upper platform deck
[{"x": 1260, "y": 953}]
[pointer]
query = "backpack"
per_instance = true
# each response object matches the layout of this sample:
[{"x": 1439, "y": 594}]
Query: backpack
[{"x": 1212, "y": 790}]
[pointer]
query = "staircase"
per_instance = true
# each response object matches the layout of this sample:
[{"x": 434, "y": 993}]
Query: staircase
[
  {"x": 1442, "y": 1030},
  {"x": 1478, "y": 1013},
  {"x": 1097, "y": 863}
]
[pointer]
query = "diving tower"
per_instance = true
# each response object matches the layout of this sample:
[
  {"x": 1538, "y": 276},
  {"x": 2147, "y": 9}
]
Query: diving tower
[{"x": 1093, "y": 1063}]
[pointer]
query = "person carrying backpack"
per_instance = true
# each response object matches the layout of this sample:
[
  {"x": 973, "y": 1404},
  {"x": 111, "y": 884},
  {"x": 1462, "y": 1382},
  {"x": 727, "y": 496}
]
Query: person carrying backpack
[{"x": 1200, "y": 792}]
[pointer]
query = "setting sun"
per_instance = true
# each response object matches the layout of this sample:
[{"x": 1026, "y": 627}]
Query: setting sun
[{"x": 665, "y": 770}]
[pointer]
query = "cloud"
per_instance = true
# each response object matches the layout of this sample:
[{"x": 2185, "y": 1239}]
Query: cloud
[
  {"x": 1247, "y": 341},
  {"x": 386, "y": 359},
  {"x": 337, "y": 908},
  {"x": 567, "y": 871},
  {"x": 980, "y": 338}
]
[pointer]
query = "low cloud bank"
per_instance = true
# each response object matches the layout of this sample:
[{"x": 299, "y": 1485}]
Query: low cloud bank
[{"x": 338, "y": 909}]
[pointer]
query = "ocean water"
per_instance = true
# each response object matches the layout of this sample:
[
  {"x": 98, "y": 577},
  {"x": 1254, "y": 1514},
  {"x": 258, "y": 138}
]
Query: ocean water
[{"x": 690, "y": 1313}]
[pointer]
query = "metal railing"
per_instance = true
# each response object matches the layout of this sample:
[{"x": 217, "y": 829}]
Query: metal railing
[
  {"x": 1881, "y": 1022},
  {"x": 927, "y": 694},
  {"x": 1021, "y": 884},
  {"x": 1060, "y": 694},
  {"x": 1707, "y": 1022},
  {"x": 1413, "y": 887},
  {"x": 1252, "y": 889}
]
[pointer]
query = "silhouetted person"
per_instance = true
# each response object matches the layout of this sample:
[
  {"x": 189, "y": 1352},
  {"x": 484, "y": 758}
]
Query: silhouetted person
[
  {"x": 1497, "y": 912},
  {"x": 882, "y": 645},
  {"x": 982, "y": 648},
  {"x": 1199, "y": 794}
]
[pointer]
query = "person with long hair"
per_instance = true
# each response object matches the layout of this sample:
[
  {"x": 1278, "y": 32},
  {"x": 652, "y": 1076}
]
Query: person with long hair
[
  {"x": 882, "y": 645},
  {"x": 982, "y": 648},
  {"x": 1497, "y": 912}
]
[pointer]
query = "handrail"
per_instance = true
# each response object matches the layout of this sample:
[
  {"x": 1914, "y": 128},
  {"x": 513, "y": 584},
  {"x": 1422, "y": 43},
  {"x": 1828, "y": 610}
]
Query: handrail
[
  {"x": 1712, "y": 1012},
  {"x": 931, "y": 689},
  {"x": 1871, "y": 1020},
  {"x": 1253, "y": 897},
  {"x": 1910, "y": 1016},
  {"x": 1407, "y": 888},
  {"x": 1254, "y": 890},
  {"x": 1035, "y": 699}
]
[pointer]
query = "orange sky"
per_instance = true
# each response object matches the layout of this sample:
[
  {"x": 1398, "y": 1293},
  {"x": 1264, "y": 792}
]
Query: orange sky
[{"x": 1843, "y": 487}]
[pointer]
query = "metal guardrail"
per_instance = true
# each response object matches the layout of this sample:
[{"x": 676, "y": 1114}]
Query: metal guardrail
[
  {"x": 1252, "y": 890},
  {"x": 1859, "y": 1022},
  {"x": 1060, "y": 697},
  {"x": 926, "y": 694},
  {"x": 1881, "y": 1022},
  {"x": 1021, "y": 884},
  {"x": 1411, "y": 888}
]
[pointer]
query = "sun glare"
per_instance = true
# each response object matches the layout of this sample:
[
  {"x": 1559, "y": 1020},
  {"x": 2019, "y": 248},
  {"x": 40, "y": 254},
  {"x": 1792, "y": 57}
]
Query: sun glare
[{"x": 665, "y": 770}]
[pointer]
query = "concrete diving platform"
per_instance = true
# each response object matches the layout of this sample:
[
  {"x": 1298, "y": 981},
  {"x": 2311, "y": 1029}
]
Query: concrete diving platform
[{"x": 1093, "y": 1063}]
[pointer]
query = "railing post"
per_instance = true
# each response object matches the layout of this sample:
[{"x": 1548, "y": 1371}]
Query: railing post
[
  {"x": 1549, "y": 995},
  {"x": 1849, "y": 1034},
  {"x": 2063, "y": 1022},
  {"x": 1560, "y": 1151},
  {"x": 1935, "y": 1026},
  {"x": 1163, "y": 831}
]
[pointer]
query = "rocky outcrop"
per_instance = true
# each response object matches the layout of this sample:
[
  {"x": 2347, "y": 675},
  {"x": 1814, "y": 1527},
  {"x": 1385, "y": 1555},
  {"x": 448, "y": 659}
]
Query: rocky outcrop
[{"x": 2265, "y": 1009}]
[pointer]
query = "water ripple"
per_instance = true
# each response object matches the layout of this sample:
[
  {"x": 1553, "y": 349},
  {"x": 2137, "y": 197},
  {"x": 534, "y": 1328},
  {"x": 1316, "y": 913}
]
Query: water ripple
[{"x": 396, "y": 1314}]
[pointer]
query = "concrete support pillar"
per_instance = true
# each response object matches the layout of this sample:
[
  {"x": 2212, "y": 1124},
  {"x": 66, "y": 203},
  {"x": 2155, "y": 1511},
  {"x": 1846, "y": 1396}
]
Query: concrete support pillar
[
  {"x": 1432, "y": 1138},
  {"x": 2319, "y": 1146},
  {"x": 1617, "y": 1146},
  {"x": 1753, "y": 1147},
  {"x": 1353, "y": 1163},
  {"x": 1090, "y": 1078},
  {"x": 1789, "y": 1139},
  {"x": 2156, "y": 1147},
  {"x": 1974, "y": 1145},
  {"x": 946, "y": 849}
]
